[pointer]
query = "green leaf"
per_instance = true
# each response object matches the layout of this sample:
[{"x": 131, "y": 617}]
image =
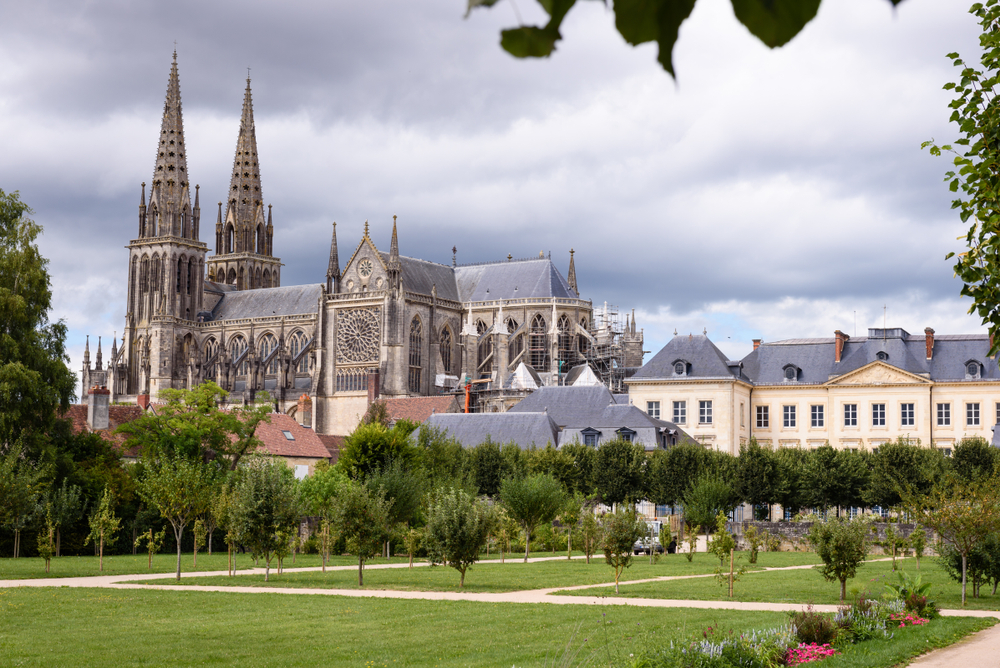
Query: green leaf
[
  {"x": 529, "y": 41},
  {"x": 775, "y": 22},
  {"x": 636, "y": 20},
  {"x": 473, "y": 4},
  {"x": 669, "y": 18}
]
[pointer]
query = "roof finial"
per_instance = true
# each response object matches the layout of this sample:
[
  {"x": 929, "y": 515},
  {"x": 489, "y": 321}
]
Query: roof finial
[
  {"x": 571, "y": 274},
  {"x": 454, "y": 255},
  {"x": 705, "y": 331}
]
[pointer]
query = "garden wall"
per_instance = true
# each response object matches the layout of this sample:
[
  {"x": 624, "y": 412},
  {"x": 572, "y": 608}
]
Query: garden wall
[{"x": 794, "y": 535}]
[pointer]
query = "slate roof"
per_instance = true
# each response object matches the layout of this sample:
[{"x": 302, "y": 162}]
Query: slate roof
[
  {"x": 418, "y": 409},
  {"x": 267, "y": 302},
  {"x": 703, "y": 358},
  {"x": 567, "y": 405},
  {"x": 815, "y": 358},
  {"x": 625, "y": 415},
  {"x": 471, "y": 429},
  {"x": 518, "y": 279},
  {"x": 305, "y": 442},
  {"x": 421, "y": 276}
]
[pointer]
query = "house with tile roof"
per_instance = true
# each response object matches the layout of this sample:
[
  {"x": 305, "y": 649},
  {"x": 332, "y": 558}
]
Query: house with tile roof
[{"x": 851, "y": 392}]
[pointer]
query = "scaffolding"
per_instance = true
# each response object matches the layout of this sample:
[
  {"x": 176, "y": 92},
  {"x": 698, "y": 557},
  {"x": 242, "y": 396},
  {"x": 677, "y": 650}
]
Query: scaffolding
[{"x": 606, "y": 350}]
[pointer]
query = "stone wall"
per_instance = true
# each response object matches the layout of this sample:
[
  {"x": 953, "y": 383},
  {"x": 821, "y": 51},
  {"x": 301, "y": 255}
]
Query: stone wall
[{"x": 794, "y": 535}]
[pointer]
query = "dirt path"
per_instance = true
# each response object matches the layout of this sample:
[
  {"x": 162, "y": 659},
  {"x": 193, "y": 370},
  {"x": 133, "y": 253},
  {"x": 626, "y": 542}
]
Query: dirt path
[{"x": 980, "y": 650}]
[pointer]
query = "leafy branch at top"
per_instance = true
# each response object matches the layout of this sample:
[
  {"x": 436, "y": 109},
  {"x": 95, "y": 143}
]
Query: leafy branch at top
[{"x": 774, "y": 22}]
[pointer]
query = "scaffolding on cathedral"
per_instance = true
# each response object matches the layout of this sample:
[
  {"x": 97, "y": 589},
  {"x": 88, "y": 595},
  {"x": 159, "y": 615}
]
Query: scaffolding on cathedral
[{"x": 606, "y": 352}]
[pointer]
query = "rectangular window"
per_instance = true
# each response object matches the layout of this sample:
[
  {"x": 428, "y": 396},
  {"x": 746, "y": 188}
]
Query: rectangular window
[
  {"x": 763, "y": 419},
  {"x": 680, "y": 412},
  {"x": 850, "y": 415},
  {"x": 816, "y": 415},
  {"x": 878, "y": 415},
  {"x": 906, "y": 418},
  {"x": 590, "y": 439},
  {"x": 788, "y": 416},
  {"x": 704, "y": 412},
  {"x": 653, "y": 409},
  {"x": 743, "y": 421},
  {"x": 998, "y": 414},
  {"x": 944, "y": 415},
  {"x": 972, "y": 415}
]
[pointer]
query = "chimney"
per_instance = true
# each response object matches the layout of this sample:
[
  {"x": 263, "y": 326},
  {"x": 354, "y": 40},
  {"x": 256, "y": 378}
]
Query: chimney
[
  {"x": 841, "y": 340},
  {"x": 373, "y": 389},
  {"x": 929, "y": 342},
  {"x": 97, "y": 408},
  {"x": 756, "y": 343},
  {"x": 304, "y": 411}
]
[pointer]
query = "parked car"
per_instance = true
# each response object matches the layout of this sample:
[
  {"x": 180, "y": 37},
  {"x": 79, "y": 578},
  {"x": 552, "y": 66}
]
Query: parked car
[{"x": 642, "y": 546}]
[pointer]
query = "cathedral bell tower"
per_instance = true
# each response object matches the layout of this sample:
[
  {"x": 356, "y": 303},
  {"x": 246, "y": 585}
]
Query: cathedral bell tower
[
  {"x": 166, "y": 260},
  {"x": 243, "y": 236}
]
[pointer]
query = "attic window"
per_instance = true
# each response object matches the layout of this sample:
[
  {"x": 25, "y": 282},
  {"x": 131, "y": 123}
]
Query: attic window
[
  {"x": 972, "y": 369},
  {"x": 679, "y": 368},
  {"x": 288, "y": 434},
  {"x": 790, "y": 373},
  {"x": 882, "y": 355}
]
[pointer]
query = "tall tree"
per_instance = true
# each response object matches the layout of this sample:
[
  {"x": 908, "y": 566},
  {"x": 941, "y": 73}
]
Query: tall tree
[
  {"x": 34, "y": 378},
  {"x": 64, "y": 506},
  {"x": 758, "y": 478},
  {"x": 403, "y": 489},
  {"x": 374, "y": 446},
  {"x": 899, "y": 465},
  {"x": 266, "y": 507},
  {"x": 362, "y": 517},
  {"x": 530, "y": 501},
  {"x": 443, "y": 458},
  {"x": 584, "y": 458},
  {"x": 457, "y": 527},
  {"x": 976, "y": 169},
  {"x": 673, "y": 471},
  {"x": 620, "y": 472},
  {"x": 486, "y": 467},
  {"x": 319, "y": 496},
  {"x": 833, "y": 478},
  {"x": 181, "y": 489},
  {"x": 21, "y": 485},
  {"x": 974, "y": 459},
  {"x": 192, "y": 424}
]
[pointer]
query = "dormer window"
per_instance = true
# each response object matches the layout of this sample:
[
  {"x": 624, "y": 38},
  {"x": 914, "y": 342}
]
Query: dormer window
[
  {"x": 972, "y": 369},
  {"x": 288, "y": 434},
  {"x": 791, "y": 373},
  {"x": 626, "y": 434},
  {"x": 591, "y": 437},
  {"x": 680, "y": 368},
  {"x": 882, "y": 356}
]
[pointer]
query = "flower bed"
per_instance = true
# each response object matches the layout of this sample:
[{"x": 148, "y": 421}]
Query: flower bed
[
  {"x": 807, "y": 652},
  {"x": 908, "y": 619}
]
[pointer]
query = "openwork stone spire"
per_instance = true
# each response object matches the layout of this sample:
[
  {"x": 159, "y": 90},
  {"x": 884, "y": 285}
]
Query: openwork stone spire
[
  {"x": 170, "y": 174},
  {"x": 571, "y": 274},
  {"x": 244, "y": 188},
  {"x": 333, "y": 269},
  {"x": 394, "y": 248}
]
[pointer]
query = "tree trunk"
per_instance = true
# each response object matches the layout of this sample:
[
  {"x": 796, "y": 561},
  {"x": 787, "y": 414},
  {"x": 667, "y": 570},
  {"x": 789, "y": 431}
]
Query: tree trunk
[
  {"x": 527, "y": 542},
  {"x": 210, "y": 541},
  {"x": 461, "y": 580},
  {"x": 730, "y": 573},
  {"x": 843, "y": 590},
  {"x": 616, "y": 581},
  {"x": 47, "y": 566},
  {"x": 196, "y": 552},
  {"x": 963, "y": 579},
  {"x": 101, "y": 558},
  {"x": 267, "y": 566},
  {"x": 178, "y": 534},
  {"x": 230, "y": 565},
  {"x": 361, "y": 568},
  {"x": 569, "y": 542},
  {"x": 58, "y": 541},
  {"x": 17, "y": 541}
]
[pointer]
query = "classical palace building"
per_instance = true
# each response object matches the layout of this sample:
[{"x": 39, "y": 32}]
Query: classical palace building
[
  {"x": 383, "y": 324},
  {"x": 853, "y": 392}
]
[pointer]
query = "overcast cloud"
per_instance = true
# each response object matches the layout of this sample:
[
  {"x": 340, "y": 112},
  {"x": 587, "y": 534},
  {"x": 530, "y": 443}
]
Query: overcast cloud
[{"x": 775, "y": 194}]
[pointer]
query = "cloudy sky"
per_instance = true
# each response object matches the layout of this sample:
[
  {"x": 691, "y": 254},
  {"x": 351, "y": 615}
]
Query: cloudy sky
[{"x": 772, "y": 194}]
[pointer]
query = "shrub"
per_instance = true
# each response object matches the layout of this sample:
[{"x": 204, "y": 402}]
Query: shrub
[
  {"x": 755, "y": 539},
  {"x": 913, "y": 593},
  {"x": 813, "y": 627}
]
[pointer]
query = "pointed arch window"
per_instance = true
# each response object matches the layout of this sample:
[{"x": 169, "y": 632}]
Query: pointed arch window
[
  {"x": 582, "y": 342},
  {"x": 229, "y": 238},
  {"x": 211, "y": 353},
  {"x": 237, "y": 348},
  {"x": 538, "y": 345},
  {"x": 416, "y": 345},
  {"x": 565, "y": 342},
  {"x": 267, "y": 345},
  {"x": 445, "y": 345},
  {"x": 190, "y": 275},
  {"x": 184, "y": 223},
  {"x": 267, "y": 278},
  {"x": 485, "y": 350},
  {"x": 296, "y": 343}
]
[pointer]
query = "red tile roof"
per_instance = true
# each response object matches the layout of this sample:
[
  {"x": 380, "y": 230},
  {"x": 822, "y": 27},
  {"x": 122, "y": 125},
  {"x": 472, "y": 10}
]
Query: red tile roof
[
  {"x": 418, "y": 409},
  {"x": 304, "y": 443},
  {"x": 117, "y": 415},
  {"x": 333, "y": 445}
]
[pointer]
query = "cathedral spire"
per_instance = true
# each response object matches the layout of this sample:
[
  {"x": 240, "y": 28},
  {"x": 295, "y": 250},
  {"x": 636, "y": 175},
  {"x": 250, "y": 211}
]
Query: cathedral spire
[
  {"x": 244, "y": 188},
  {"x": 333, "y": 269},
  {"x": 571, "y": 274},
  {"x": 170, "y": 174},
  {"x": 99, "y": 360},
  {"x": 86, "y": 353},
  {"x": 394, "y": 247},
  {"x": 142, "y": 210}
]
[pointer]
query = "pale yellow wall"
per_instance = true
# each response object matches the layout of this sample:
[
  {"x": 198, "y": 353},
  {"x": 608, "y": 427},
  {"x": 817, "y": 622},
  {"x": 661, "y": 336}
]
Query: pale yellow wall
[
  {"x": 342, "y": 413},
  {"x": 725, "y": 431},
  {"x": 876, "y": 384}
]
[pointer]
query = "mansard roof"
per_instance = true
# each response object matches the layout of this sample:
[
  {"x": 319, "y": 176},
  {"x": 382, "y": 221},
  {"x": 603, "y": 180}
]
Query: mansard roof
[
  {"x": 536, "y": 278},
  {"x": 471, "y": 429},
  {"x": 816, "y": 358},
  {"x": 268, "y": 302},
  {"x": 701, "y": 357},
  {"x": 568, "y": 405},
  {"x": 421, "y": 276}
]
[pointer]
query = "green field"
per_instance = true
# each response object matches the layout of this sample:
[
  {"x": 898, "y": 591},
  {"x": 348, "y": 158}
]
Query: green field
[
  {"x": 493, "y": 576},
  {"x": 802, "y": 586}
]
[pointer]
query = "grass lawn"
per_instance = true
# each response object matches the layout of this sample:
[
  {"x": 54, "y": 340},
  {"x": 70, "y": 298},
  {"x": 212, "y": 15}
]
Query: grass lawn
[
  {"x": 802, "y": 586},
  {"x": 908, "y": 643},
  {"x": 492, "y": 576},
  {"x": 96, "y": 627}
]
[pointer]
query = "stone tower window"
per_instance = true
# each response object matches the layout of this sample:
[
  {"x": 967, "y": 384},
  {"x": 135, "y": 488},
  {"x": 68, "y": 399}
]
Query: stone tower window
[
  {"x": 446, "y": 343},
  {"x": 565, "y": 342},
  {"x": 416, "y": 344},
  {"x": 538, "y": 345},
  {"x": 238, "y": 346},
  {"x": 296, "y": 342}
]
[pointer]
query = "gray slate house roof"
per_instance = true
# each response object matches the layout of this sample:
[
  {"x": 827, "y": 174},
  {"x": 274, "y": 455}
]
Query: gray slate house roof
[
  {"x": 813, "y": 361},
  {"x": 700, "y": 357},
  {"x": 471, "y": 429},
  {"x": 267, "y": 302},
  {"x": 518, "y": 279},
  {"x": 567, "y": 405}
]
